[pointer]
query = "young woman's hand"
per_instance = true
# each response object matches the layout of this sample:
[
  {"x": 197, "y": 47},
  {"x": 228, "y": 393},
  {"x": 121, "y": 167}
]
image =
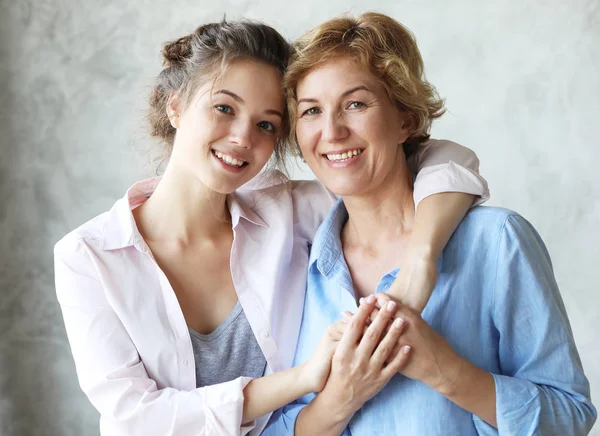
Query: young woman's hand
[
  {"x": 316, "y": 370},
  {"x": 364, "y": 360}
]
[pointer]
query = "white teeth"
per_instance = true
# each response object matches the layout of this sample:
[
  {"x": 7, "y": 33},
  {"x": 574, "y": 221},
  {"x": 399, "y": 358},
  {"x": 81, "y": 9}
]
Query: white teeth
[
  {"x": 343, "y": 156},
  {"x": 228, "y": 159}
]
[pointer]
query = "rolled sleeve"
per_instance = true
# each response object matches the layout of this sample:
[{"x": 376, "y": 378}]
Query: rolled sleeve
[
  {"x": 543, "y": 388},
  {"x": 445, "y": 166},
  {"x": 113, "y": 376},
  {"x": 283, "y": 421}
]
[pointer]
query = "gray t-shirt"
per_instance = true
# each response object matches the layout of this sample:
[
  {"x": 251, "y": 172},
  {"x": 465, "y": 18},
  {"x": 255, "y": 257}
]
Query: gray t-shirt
[{"x": 229, "y": 352}]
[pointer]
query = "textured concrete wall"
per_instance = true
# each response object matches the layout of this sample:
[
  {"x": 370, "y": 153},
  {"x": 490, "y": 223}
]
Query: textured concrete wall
[{"x": 522, "y": 81}]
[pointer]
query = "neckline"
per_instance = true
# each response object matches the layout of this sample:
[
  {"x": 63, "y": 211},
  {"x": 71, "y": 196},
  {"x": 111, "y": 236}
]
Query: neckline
[{"x": 235, "y": 312}]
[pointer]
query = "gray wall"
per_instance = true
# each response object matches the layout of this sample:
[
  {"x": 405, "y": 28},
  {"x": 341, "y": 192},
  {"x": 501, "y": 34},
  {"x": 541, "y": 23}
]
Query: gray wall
[{"x": 522, "y": 82}]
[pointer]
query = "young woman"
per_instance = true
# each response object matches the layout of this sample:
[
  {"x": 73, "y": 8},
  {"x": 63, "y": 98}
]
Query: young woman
[
  {"x": 493, "y": 352},
  {"x": 182, "y": 301}
]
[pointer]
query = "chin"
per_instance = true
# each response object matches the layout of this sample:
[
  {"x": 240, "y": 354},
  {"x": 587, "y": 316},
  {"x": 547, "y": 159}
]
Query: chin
[{"x": 343, "y": 187}]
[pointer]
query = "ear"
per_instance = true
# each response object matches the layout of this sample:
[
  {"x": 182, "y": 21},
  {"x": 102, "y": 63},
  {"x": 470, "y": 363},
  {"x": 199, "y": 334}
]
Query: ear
[
  {"x": 405, "y": 126},
  {"x": 173, "y": 109}
]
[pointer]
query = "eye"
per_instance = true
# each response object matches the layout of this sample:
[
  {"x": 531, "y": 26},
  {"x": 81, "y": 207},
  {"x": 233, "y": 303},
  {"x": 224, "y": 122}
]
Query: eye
[
  {"x": 356, "y": 105},
  {"x": 226, "y": 109},
  {"x": 267, "y": 126},
  {"x": 311, "y": 111}
]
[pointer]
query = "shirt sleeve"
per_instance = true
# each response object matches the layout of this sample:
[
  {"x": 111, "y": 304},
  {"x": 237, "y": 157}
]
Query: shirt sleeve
[
  {"x": 283, "y": 421},
  {"x": 542, "y": 389},
  {"x": 445, "y": 166},
  {"x": 113, "y": 376}
]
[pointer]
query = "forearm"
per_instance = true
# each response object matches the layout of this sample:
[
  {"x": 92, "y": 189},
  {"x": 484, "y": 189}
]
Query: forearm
[
  {"x": 436, "y": 219},
  {"x": 323, "y": 416},
  {"x": 471, "y": 388},
  {"x": 269, "y": 393}
]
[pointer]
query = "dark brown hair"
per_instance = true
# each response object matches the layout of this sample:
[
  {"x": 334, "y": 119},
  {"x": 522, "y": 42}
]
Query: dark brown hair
[
  {"x": 383, "y": 46},
  {"x": 203, "y": 55}
]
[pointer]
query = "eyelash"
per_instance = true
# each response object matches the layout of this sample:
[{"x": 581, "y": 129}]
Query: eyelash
[
  {"x": 360, "y": 103},
  {"x": 357, "y": 102},
  {"x": 264, "y": 125}
]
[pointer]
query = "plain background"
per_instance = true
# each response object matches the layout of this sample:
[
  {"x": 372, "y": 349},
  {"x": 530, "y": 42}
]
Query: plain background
[{"x": 522, "y": 83}]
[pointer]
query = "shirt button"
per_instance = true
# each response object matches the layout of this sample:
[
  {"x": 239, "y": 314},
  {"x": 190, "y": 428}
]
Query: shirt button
[
  {"x": 265, "y": 334},
  {"x": 186, "y": 362}
]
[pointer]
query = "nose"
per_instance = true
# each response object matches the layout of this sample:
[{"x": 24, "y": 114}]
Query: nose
[
  {"x": 335, "y": 128},
  {"x": 241, "y": 133}
]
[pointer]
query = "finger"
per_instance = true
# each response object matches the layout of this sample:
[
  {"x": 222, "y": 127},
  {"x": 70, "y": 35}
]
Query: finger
[
  {"x": 382, "y": 298},
  {"x": 373, "y": 334},
  {"x": 356, "y": 325},
  {"x": 337, "y": 330},
  {"x": 388, "y": 345},
  {"x": 397, "y": 363},
  {"x": 373, "y": 316},
  {"x": 346, "y": 316}
]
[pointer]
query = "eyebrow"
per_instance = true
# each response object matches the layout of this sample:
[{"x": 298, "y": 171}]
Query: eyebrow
[
  {"x": 345, "y": 94},
  {"x": 241, "y": 100}
]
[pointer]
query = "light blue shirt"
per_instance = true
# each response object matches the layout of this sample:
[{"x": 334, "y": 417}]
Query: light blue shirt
[{"x": 497, "y": 304}]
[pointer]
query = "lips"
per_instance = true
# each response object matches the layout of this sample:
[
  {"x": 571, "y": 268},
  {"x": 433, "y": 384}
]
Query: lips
[
  {"x": 234, "y": 161},
  {"x": 342, "y": 156}
]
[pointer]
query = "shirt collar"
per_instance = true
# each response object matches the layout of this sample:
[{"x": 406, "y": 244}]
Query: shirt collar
[
  {"x": 327, "y": 245},
  {"x": 120, "y": 230}
]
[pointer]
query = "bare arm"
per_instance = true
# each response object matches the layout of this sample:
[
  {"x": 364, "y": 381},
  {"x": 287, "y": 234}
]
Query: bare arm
[
  {"x": 436, "y": 219},
  {"x": 269, "y": 393}
]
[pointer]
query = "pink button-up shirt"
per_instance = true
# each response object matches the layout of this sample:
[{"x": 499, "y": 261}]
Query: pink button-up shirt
[{"x": 127, "y": 332}]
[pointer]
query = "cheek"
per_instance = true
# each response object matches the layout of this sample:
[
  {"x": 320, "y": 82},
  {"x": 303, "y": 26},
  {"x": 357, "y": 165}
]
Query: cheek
[
  {"x": 306, "y": 135},
  {"x": 266, "y": 147}
]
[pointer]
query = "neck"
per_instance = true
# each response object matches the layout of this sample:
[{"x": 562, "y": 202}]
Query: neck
[
  {"x": 183, "y": 210},
  {"x": 382, "y": 216}
]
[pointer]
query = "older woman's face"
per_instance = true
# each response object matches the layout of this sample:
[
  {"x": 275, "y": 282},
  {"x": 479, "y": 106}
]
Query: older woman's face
[{"x": 348, "y": 129}]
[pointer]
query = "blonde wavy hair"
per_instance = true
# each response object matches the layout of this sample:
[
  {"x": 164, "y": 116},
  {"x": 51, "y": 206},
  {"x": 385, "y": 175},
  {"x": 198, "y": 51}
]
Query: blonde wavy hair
[{"x": 383, "y": 46}]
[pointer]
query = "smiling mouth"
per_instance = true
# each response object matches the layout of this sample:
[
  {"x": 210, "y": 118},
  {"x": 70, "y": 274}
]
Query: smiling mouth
[
  {"x": 229, "y": 160},
  {"x": 340, "y": 157}
]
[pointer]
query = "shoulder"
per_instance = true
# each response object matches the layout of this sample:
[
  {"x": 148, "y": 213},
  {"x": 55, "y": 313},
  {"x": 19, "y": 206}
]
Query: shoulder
[
  {"x": 306, "y": 202},
  {"x": 497, "y": 239},
  {"x": 89, "y": 233},
  {"x": 488, "y": 233},
  {"x": 491, "y": 220}
]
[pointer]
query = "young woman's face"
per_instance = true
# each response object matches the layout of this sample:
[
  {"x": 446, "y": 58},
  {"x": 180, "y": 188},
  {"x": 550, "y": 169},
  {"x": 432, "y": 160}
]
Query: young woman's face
[
  {"x": 348, "y": 129},
  {"x": 228, "y": 130}
]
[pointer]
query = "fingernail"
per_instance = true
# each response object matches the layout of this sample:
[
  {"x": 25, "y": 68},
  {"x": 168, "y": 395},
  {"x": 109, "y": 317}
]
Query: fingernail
[
  {"x": 371, "y": 299},
  {"x": 391, "y": 306},
  {"x": 406, "y": 349},
  {"x": 398, "y": 323},
  {"x": 361, "y": 301}
]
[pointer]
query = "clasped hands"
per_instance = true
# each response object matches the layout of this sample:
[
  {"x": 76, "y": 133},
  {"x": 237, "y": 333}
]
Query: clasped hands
[{"x": 382, "y": 338}]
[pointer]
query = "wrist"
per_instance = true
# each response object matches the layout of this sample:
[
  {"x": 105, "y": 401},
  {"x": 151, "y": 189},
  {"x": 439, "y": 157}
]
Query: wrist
[
  {"x": 338, "y": 408},
  {"x": 305, "y": 381},
  {"x": 456, "y": 376},
  {"x": 419, "y": 254}
]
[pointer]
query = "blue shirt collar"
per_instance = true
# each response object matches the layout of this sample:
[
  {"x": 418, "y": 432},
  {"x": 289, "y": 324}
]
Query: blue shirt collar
[{"x": 327, "y": 245}]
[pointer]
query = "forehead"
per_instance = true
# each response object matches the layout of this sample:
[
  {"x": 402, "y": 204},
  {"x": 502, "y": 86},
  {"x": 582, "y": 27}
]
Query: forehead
[
  {"x": 256, "y": 82},
  {"x": 336, "y": 76}
]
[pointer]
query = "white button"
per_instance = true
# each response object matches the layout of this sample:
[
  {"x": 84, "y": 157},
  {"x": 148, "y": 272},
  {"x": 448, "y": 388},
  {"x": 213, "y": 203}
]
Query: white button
[
  {"x": 265, "y": 333},
  {"x": 186, "y": 362}
]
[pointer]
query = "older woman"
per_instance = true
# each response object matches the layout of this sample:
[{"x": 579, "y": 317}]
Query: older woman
[{"x": 493, "y": 351}]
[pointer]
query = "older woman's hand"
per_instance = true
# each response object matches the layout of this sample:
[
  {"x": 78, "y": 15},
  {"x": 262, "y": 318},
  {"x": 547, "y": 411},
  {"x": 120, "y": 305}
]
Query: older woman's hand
[
  {"x": 366, "y": 358},
  {"x": 433, "y": 361}
]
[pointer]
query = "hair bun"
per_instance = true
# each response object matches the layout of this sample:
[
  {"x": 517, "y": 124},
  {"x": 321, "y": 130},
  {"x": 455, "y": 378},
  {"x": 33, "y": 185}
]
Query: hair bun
[{"x": 176, "y": 52}]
